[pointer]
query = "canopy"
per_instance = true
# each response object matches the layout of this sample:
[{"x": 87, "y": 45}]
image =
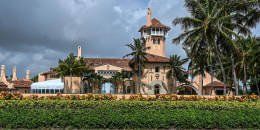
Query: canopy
[{"x": 50, "y": 84}]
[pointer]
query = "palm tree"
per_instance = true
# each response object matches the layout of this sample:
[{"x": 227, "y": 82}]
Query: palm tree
[
  {"x": 139, "y": 57},
  {"x": 92, "y": 80},
  {"x": 115, "y": 79},
  {"x": 200, "y": 65},
  {"x": 82, "y": 69},
  {"x": 245, "y": 46},
  {"x": 69, "y": 66},
  {"x": 121, "y": 78},
  {"x": 254, "y": 53},
  {"x": 208, "y": 22},
  {"x": 176, "y": 71}
]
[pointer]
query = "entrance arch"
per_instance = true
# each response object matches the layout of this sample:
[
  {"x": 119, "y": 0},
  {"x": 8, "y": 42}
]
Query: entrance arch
[
  {"x": 160, "y": 84},
  {"x": 187, "y": 89},
  {"x": 156, "y": 89}
]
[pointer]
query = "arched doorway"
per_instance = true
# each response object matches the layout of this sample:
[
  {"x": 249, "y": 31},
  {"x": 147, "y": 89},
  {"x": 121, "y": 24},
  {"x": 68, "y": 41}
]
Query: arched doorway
[
  {"x": 156, "y": 89},
  {"x": 128, "y": 90},
  {"x": 107, "y": 88},
  {"x": 187, "y": 90},
  {"x": 155, "y": 84}
]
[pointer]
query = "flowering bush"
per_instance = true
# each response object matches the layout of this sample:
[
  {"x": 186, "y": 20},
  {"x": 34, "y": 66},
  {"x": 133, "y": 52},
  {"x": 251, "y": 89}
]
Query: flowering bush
[{"x": 137, "y": 97}]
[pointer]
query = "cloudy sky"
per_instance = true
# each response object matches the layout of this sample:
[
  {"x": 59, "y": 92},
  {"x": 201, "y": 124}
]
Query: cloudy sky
[{"x": 34, "y": 34}]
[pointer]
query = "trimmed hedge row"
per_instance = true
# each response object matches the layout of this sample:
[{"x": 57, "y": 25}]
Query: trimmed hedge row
[
  {"x": 83, "y": 104},
  {"x": 128, "y": 118}
]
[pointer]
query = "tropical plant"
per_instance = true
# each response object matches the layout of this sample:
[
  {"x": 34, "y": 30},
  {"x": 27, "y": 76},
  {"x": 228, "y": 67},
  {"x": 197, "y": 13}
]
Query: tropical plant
[
  {"x": 200, "y": 65},
  {"x": 176, "y": 71},
  {"x": 91, "y": 80},
  {"x": 255, "y": 62},
  {"x": 70, "y": 66},
  {"x": 245, "y": 46},
  {"x": 139, "y": 56},
  {"x": 209, "y": 22},
  {"x": 83, "y": 69}
]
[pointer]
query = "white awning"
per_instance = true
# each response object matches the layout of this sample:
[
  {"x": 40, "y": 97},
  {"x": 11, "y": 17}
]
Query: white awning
[{"x": 50, "y": 84}]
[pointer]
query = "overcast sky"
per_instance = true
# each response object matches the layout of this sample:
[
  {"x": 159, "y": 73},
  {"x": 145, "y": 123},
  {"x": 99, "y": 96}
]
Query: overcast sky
[{"x": 34, "y": 34}]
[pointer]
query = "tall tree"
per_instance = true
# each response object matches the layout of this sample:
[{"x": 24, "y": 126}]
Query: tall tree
[
  {"x": 207, "y": 23},
  {"x": 69, "y": 66},
  {"x": 254, "y": 53},
  {"x": 91, "y": 80},
  {"x": 139, "y": 56},
  {"x": 82, "y": 69},
  {"x": 176, "y": 71}
]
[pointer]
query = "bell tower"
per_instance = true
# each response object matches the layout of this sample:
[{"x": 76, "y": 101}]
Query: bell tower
[{"x": 154, "y": 33}]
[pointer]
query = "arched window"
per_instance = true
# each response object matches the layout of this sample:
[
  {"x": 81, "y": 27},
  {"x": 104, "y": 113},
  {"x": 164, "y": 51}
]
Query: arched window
[
  {"x": 159, "y": 41},
  {"x": 156, "y": 90}
]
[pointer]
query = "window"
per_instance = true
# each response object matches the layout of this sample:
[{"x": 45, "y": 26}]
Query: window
[
  {"x": 159, "y": 41},
  {"x": 153, "y": 41},
  {"x": 157, "y": 69},
  {"x": 163, "y": 68},
  {"x": 151, "y": 78},
  {"x": 52, "y": 75}
]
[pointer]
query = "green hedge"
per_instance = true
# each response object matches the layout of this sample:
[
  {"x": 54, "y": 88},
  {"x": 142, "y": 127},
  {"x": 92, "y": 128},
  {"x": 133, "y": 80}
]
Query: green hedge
[
  {"x": 128, "y": 118},
  {"x": 128, "y": 114},
  {"x": 83, "y": 104}
]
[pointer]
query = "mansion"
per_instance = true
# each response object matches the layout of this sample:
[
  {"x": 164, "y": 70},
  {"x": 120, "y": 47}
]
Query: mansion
[{"x": 153, "y": 79}]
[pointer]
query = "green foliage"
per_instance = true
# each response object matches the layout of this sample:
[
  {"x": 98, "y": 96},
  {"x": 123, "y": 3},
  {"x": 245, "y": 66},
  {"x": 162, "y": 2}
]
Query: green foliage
[
  {"x": 35, "y": 78},
  {"x": 116, "y": 105},
  {"x": 128, "y": 114},
  {"x": 128, "y": 118}
]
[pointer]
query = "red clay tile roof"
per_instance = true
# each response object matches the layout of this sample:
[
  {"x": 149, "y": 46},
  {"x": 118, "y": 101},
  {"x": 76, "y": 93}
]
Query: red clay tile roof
[
  {"x": 21, "y": 83},
  {"x": 2, "y": 85},
  {"x": 124, "y": 63},
  {"x": 156, "y": 58},
  {"x": 216, "y": 84},
  {"x": 155, "y": 23},
  {"x": 49, "y": 72}
]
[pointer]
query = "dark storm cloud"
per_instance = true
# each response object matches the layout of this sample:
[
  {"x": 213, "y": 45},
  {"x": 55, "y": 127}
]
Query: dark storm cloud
[{"x": 34, "y": 34}]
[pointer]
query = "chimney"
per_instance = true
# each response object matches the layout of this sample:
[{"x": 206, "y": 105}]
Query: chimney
[
  {"x": 28, "y": 74},
  {"x": 79, "y": 51},
  {"x": 3, "y": 78},
  {"x": 14, "y": 74},
  {"x": 149, "y": 17}
]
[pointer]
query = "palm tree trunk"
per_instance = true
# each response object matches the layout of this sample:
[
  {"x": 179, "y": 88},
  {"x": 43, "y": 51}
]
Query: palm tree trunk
[
  {"x": 70, "y": 82},
  {"x": 81, "y": 85},
  {"x": 199, "y": 93},
  {"x": 64, "y": 88},
  {"x": 211, "y": 69},
  {"x": 244, "y": 81},
  {"x": 139, "y": 76},
  {"x": 191, "y": 78},
  {"x": 202, "y": 83},
  {"x": 234, "y": 74},
  {"x": 257, "y": 88},
  {"x": 221, "y": 67},
  {"x": 175, "y": 80},
  {"x": 172, "y": 86}
]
